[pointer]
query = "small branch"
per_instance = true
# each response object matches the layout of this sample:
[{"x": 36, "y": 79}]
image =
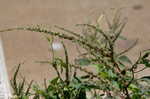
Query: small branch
[
  {"x": 127, "y": 94},
  {"x": 119, "y": 32},
  {"x": 113, "y": 59},
  {"x": 140, "y": 70},
  {"x": 45, "y": 85},
  {"x": 136, "y": 63},
  {"x": 128, "y": 48},
  {"x": 88, "y": 72},
  {"x": 130, "y": 80},
  {"x": 67, "y": 64},
  {"x": 56, "y": 69}
]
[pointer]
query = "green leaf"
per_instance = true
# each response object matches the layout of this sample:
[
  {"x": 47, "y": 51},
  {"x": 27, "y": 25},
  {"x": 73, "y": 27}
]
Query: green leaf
[
  {"x": 82, "y": 94},
  {"x": 116, "y": 85},
  {"x": 25, "y": 97},
  {"x": 133, "y": 88},
  {"x": 136, "y": 96},
  {"x": 77, "y": 86},
  {"x": 124, "y": 58},
  {"x": 122, "y": 37},
  {"x": 83, "y": 61},
  {"x": 144, "y": 59},
  {"x": 99, "y": 67},
  {"x": 104, "y": 74},
  {"x": 121, "y": 66},
  {"x": 146, "y": 62},
  {"x": 85, "y": 76},
  {"x": 91, "y": 86},
  {"x": 54, "y": 81},
  {"x": 111, "y": 74},
  {"x": 145, "y": 77},
  {"x": 147, "y": 53},
  {"x": 129, "y": 73},
  {"x": 48, "y": 39}
]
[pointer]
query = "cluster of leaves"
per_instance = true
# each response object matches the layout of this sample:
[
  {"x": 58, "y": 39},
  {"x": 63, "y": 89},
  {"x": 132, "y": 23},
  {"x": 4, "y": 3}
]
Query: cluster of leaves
[{"x": 114, "y": 76}]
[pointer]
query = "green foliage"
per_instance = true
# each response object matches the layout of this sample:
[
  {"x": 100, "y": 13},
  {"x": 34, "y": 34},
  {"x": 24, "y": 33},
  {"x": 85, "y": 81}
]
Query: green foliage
[
  {"x": 114, "y": 76},
  {"x": 124, "y": 58}
]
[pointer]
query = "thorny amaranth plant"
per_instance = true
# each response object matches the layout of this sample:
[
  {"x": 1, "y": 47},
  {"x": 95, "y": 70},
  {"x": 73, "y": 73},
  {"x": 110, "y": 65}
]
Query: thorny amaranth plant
[{"x": 112, "y": 79}]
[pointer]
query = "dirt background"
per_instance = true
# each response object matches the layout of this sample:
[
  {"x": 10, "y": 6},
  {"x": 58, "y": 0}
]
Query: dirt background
[{"x": 28, "y": 47}]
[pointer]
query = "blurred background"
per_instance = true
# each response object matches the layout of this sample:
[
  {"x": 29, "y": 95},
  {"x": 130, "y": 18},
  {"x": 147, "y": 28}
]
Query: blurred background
[{"x": 28, "y": 47}]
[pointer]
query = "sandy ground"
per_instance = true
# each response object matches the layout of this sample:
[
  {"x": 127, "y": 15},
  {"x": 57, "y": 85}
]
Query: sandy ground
[{"x": 28, "y": 47}]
